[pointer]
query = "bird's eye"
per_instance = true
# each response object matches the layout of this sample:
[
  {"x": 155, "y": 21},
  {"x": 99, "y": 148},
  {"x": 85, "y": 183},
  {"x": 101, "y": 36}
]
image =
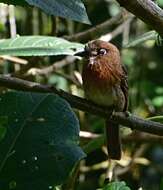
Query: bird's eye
[{"x": 102, "y": 51}]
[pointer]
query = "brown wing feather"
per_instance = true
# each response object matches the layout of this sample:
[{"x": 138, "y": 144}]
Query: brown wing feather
[{"x": 124, "y": 87}]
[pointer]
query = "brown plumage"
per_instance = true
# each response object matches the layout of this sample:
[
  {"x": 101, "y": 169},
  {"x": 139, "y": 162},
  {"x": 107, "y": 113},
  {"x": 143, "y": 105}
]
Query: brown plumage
[{"x": 105, "y": 83}]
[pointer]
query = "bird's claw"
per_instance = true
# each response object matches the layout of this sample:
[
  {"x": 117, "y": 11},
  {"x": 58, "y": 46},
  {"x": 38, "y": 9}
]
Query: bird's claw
[{"x": 127, "y": 113}]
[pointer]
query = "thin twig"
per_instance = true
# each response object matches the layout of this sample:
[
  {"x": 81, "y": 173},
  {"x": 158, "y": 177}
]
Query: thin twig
[
  {"x": 96, "y": 141},
  {"x": 55, "y": 66},
  {"x": 138, "y": 153},
  {"x": 14, "y": 59},
  {"x": 117, "y": 31},
  {"x": 96, "y": 31},
  {"x": 137, "y": 137}
]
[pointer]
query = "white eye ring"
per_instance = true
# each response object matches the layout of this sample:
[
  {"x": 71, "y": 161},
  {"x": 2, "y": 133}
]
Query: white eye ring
[{"x": 102, "y": 51}]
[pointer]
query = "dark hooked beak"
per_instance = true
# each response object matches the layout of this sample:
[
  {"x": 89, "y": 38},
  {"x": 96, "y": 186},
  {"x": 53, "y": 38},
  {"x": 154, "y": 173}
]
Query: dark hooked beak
[
  {"x": 81, "y": 54},
  {"x": 84, "y": 53}
]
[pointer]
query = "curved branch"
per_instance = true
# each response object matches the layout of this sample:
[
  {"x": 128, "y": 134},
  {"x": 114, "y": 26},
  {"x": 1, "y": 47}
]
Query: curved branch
[
  {"x": 130, "y": 121},
  {"x": 147, "y": 11},
  {"x": 96, "y": 31}
]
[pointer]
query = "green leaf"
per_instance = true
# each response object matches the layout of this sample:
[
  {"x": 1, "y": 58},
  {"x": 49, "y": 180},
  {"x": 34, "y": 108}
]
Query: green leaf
[
  {"x": 38, "y": 46},
  {"x": 116, "y": 186},
  {"x": 72, "y": 9},
  {"x": 152, "y": 35},
  {"x": 40, "y": 147}
]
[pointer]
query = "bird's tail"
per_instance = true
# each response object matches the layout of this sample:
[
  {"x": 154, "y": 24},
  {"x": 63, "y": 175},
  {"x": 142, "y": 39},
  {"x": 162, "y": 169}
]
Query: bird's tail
[{"x": 113, "y": 141}]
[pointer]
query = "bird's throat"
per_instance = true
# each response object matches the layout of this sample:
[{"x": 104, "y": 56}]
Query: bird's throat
[{"x": 98, "y": 85}]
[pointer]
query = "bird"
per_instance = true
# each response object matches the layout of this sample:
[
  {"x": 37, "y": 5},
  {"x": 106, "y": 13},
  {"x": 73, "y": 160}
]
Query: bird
[{"x": 105, "y": 83}]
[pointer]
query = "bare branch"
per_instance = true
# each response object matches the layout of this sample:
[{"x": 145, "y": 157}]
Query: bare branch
[
  {"x": 96, "y": 31},
  {"x": 85, "y": 105},
  {"x": 147, "y": 11},
  {"x": 118, "y": 30},
  {"x": 138, "y": 137},
  {"x": 14, "y": 59},
  {"x": 53, "y": 67}
]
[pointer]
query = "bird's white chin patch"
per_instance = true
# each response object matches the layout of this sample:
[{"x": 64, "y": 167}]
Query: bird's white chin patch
[{"x": 91, "y": 60}]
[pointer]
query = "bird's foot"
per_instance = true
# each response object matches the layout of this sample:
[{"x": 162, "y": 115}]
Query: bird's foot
[{"x": 127, "y": 113}]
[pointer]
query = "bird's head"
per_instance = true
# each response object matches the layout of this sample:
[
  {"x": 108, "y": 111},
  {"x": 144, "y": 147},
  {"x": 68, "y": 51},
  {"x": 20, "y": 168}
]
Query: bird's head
[{"x": 98, "y": 51}]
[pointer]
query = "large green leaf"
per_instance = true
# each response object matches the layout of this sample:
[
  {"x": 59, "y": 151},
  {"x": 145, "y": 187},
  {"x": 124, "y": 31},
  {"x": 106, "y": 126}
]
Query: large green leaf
[
  {"x": 116, "y": 186},
  {"x": 38, "y": 46},
  {"x": 40, "y": 148},
  {"x": 72, "y": 9}
]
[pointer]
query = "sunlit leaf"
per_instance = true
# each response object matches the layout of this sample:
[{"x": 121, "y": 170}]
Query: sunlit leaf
[
  {"x": 38, "y": 46},
  {"x": 116, "y": 186}
]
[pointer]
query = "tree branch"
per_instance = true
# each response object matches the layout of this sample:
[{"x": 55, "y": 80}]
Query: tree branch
[
  {"x": 147, "y": 11},
  {"x": 96, "y": 31},
  {"x": 85, "y": 105},
  {"x": 53, "y": 67}
]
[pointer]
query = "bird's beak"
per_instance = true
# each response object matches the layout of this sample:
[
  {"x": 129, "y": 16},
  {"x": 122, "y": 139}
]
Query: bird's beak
[
  {"x": 81, "y": 54},
  {"x": 84, "y": 53}
]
